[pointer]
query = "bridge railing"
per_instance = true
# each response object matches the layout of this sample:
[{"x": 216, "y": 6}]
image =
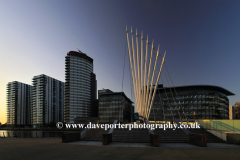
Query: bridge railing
[{"x": 220, "y": 125}]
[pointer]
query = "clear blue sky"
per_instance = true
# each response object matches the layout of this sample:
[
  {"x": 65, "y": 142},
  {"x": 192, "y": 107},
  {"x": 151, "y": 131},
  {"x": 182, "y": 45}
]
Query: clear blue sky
[{"x": 201, "y": 37}]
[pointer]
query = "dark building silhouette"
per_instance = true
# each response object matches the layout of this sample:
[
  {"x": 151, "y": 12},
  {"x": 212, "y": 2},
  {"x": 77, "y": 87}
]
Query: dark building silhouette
[
  {"x": 114, "y": 106},
  {"x": 237, "y": 110}
]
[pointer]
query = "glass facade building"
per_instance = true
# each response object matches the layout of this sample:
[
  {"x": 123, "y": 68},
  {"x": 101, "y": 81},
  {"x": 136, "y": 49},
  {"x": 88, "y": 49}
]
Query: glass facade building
[
  {"x": 18, "y": 103},
  {"x": 191, "y": 102},
  {"x": 114, "y": 106},
  {"x": 47, "y": 100},
  {"x": 80, "y": 87}
]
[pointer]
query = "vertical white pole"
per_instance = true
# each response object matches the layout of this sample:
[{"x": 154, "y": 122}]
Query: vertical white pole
[
  {"x": 136, "y": 89},
  {"x": 130, "y": 57},
  {"x": 150, "y": 94},
  {"x": 154, "y": 93},
  {"x": 138, "y": 74},
  {"x": 145, "y": 72},
  {"x": 149, "y": 72}
]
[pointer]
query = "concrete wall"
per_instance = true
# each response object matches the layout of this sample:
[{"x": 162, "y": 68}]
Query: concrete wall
[
  {"x": 233, "y": 138},
  {"x": 219, "y": 134}
]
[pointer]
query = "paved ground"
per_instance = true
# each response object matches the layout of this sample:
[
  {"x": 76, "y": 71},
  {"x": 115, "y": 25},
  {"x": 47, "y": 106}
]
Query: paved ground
[
  {"x": 161, "y": 145},
  {"x": 52, "y": 148}
]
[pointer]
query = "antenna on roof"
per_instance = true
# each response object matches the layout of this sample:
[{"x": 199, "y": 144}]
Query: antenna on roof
[{"x": 79, "y": 50}]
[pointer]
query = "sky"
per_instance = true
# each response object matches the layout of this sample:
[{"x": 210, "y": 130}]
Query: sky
[{"x": 201, "y": 39}]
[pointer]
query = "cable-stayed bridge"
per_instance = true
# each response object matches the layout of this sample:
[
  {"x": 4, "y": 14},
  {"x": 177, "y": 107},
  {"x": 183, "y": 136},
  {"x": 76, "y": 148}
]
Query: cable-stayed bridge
[{"x": 147, "y": 65}]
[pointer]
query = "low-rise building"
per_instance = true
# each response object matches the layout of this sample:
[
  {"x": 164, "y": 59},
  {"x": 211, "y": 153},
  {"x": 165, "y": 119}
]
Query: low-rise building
[{"x": 114, "y": 106}]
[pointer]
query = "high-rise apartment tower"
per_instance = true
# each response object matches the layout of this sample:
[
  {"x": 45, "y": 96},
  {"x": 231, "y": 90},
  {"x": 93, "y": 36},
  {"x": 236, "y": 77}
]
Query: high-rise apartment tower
[
  {"x": 80, "y": 87},
  {"x": 47, "y": 100},
  {"x": 18, "y": 103}
]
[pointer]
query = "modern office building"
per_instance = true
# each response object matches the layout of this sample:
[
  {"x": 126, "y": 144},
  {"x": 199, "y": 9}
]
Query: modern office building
[
  {"x": 190, "y": 102},
  {"x": 47, "y": 100},
  {"x": 237, "y": 110},
  {"x": 80, "y": 87},
  {"x": 114, "y": 106},
  {"x": 18, "y": 103}
]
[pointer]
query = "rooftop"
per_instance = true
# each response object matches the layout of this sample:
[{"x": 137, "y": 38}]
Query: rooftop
[
  {"x": 80, "y": 54},
  {"x": 202, "y": 87}
]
